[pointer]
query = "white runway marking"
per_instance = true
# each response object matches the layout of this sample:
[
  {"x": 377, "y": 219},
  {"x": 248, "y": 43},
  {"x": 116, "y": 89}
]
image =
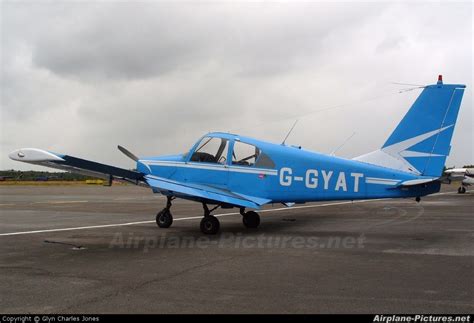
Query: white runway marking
[
  {"x": 178, "y": 219},
  {"x": 59, "y": 202},
  {"x": 197, "y": 217},
  {"x": 148, "y": 198}
]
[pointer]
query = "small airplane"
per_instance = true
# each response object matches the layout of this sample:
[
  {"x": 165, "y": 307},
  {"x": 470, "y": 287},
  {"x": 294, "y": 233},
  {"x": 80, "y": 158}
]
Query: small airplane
[
  {"x": 463, "y": 175},
  {"x": 227, "y": 170}
]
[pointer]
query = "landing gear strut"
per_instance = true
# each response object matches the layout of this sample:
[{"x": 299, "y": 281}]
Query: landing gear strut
[
  {"x": 250, "y": 219},
  {"x": 209, "y": 224},
  {"x": 164, "y": 218}
]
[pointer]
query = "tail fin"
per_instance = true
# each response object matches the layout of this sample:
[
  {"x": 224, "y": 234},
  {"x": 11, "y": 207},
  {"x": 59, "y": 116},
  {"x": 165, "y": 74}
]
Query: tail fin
[{"x": 421, "y": 142}]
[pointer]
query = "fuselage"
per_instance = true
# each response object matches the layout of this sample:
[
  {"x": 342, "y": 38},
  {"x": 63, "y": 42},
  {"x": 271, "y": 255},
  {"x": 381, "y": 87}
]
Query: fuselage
[
  {"x": 291, "y": 174},
  {"x": 468, "y": 178}
]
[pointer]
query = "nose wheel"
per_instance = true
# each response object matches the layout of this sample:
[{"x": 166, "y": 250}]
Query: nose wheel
[{"x": 164, "y": 218}]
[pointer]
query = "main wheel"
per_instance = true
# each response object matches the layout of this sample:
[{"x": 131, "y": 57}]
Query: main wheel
[
  {"x": 251, "y": 219},
  {"x": 210, "y": 225},
  {"x": 461, "y": 190},
  {"x": 164, "y": 219}
]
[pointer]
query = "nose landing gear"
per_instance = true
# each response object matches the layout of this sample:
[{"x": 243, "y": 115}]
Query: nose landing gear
[{"x": 164, "y": 218}]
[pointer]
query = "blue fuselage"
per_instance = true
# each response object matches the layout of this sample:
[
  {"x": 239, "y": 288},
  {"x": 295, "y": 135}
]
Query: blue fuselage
[{"x": 297, "y": 175}]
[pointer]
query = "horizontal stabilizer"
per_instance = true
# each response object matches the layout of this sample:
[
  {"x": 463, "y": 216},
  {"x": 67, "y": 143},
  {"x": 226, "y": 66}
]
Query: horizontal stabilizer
[{"x": 419, "y": 181}]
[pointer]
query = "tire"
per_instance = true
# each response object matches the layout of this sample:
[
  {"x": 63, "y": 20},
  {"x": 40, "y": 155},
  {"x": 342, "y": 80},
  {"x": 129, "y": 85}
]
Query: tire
[
  {"x": 461, "y": 190},
  {"x": 251, "y": 219},
  {"x": 210, "y": 225},
  {"x": 164, "y": 219}
]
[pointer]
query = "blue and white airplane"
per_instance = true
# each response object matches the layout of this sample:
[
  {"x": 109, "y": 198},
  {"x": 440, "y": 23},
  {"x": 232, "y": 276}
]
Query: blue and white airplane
[{"x": 227, "y": 170}]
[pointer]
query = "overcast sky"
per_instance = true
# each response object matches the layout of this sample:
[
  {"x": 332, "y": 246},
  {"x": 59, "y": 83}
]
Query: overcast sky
[{"x": 81, "y": 77}]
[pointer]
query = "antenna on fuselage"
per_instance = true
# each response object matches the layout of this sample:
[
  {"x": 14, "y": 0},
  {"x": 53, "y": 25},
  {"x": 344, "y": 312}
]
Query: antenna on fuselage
[
  {"x": 342, "y": 145},
  {"x": 289, "y": 132}
]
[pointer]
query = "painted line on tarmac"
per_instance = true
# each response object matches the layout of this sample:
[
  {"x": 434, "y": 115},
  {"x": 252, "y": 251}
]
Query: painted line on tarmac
[
  {"x": 199, "y": 217},
  {"x": 66, "y": 202},
  {"x": 59, "y": 202},
  {"x": 147, "y": 198},
  {"x": 179, "y": 219},
  {"x": 162, "y": 197}
]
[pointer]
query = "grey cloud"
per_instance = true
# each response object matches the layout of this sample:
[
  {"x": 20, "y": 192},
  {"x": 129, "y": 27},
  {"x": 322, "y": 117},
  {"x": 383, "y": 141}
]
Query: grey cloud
[
  {"x": 81, "y": 77},
  {"x": 125, "y": 40}
]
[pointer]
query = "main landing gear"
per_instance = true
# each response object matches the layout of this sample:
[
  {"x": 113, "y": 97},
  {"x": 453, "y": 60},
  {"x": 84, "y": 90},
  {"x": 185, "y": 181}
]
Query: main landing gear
[
  {"x": 250, "y": 219},
  {"x": 209, "y": 223}
]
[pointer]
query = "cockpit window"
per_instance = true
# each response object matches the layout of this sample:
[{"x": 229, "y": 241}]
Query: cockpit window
[
  {"x": 244, "y": 154},
  {"x": 264, "y": 161},
  {"x": 249, "y": 155},
  {"x": 211, "y": 150}
]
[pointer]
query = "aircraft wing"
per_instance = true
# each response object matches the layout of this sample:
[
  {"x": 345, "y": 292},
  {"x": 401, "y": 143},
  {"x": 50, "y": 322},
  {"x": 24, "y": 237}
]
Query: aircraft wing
[
  {"x": 74, "y": 164},
  {"x": 456, "y": 174},
  {"x": 203, "y": 192}
]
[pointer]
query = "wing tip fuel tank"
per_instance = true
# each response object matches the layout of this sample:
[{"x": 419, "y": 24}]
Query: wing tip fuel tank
[{"x": 33, "y": 155}]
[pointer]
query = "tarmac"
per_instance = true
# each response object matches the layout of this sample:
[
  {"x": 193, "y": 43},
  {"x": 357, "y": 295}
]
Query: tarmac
[{"x": 93, "y": 249}]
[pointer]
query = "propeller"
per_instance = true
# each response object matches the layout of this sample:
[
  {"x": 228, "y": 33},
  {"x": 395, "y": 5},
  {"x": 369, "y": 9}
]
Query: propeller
[{"x": 127, "y": 153}]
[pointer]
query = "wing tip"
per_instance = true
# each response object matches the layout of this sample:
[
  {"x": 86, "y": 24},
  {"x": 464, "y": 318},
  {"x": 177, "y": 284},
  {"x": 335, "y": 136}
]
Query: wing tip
[{"x": 29, "y": 155}]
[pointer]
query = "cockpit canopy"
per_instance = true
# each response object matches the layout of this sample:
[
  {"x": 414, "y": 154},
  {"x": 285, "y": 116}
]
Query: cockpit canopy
[{"x": 230, "y": 151}]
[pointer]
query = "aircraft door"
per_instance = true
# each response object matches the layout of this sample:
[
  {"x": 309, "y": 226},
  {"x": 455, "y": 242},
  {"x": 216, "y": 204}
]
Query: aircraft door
[{"x": 248, "y": 169}]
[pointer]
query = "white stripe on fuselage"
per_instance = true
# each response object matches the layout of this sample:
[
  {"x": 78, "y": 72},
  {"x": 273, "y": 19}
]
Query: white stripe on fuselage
[
  {"x": 380, "y": 181},
  {"x": 272, "y": 172}
]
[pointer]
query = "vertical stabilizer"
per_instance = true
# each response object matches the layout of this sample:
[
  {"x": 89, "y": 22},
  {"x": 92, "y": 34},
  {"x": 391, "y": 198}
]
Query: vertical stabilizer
[{"x": 421, "y": 142}]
